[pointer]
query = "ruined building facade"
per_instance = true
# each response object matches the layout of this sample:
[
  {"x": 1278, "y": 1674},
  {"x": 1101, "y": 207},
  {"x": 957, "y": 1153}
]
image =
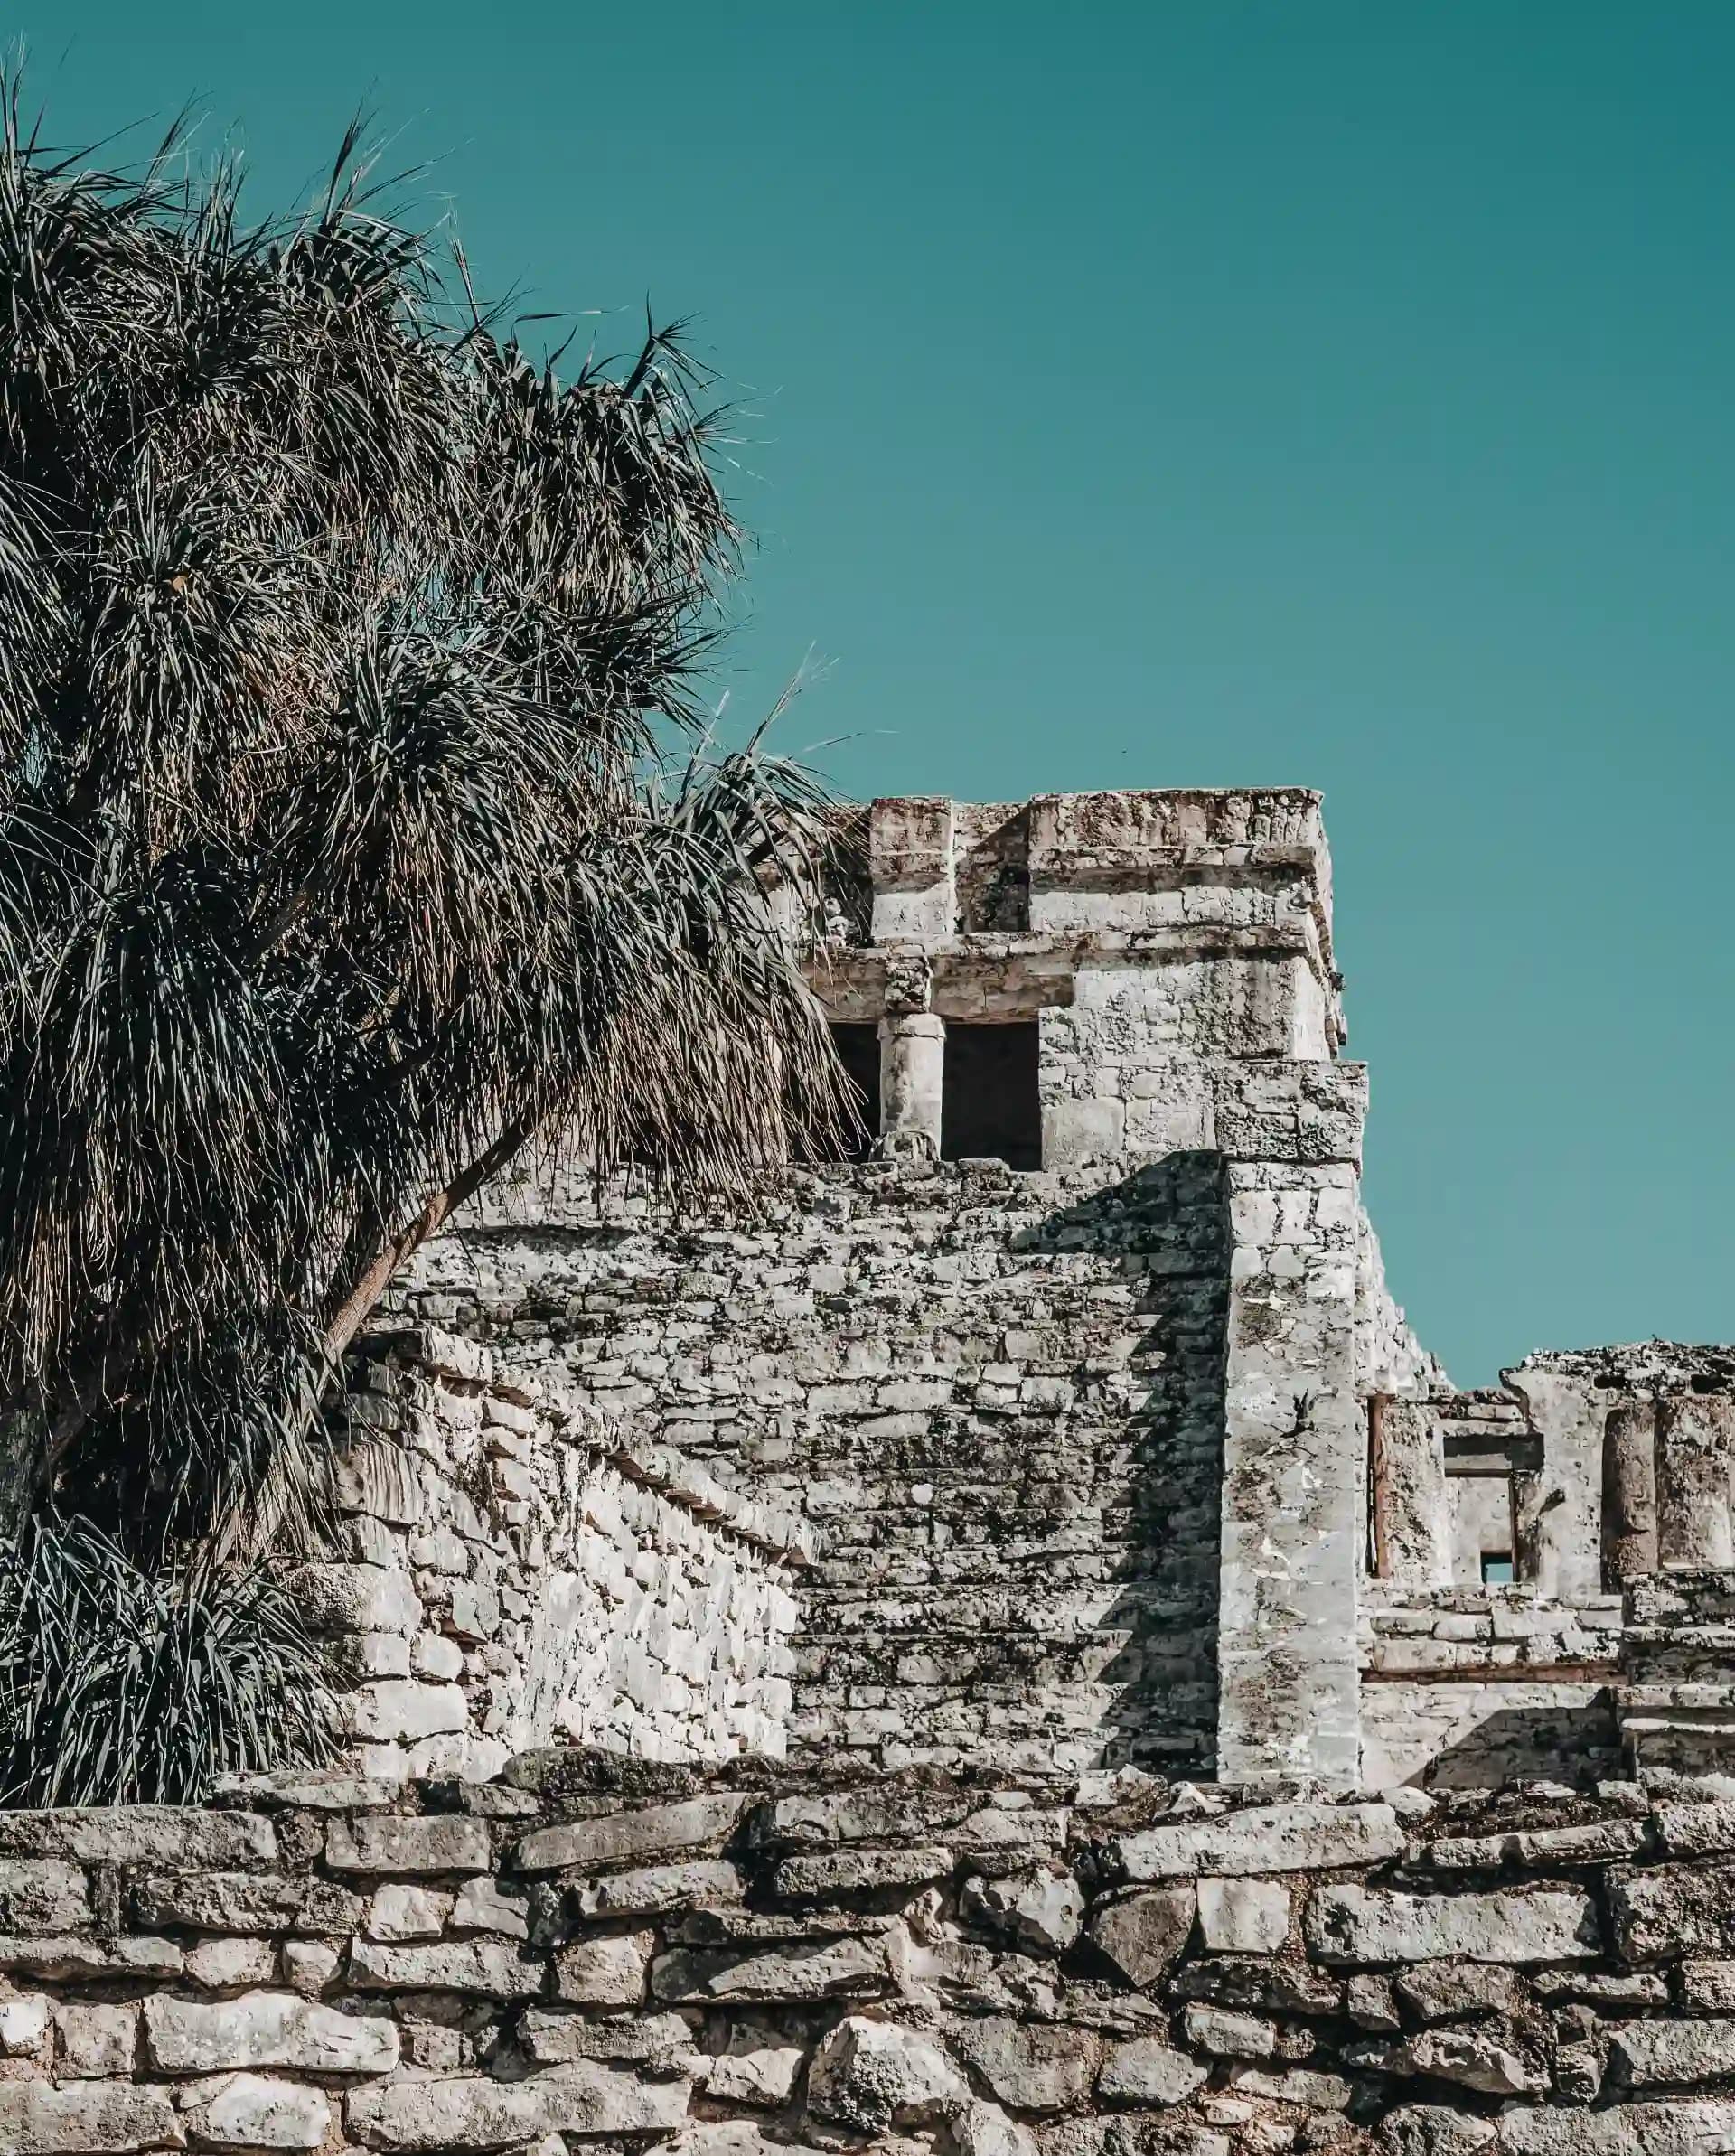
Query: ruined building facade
[
  {"x": 1093, "y": 1432},
  {"x": 1003, "y": 1645}
]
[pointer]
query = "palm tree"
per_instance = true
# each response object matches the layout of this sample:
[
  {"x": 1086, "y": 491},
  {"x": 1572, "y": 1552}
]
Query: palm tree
[{"x": 344, "y": 650}]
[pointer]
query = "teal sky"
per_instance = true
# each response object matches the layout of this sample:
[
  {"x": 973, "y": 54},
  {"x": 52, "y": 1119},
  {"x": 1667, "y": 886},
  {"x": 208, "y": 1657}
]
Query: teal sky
[{"x": 1218, "y": 393}]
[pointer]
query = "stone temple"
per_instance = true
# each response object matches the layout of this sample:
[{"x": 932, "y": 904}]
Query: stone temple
[{"x": 1004, "y": 1645}]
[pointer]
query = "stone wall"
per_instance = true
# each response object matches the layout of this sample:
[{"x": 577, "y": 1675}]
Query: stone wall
[
  {"x": 994, "y": 1399},
  {"x": 514, "y": 1570},
  {"x": 740, "y": 1961}
]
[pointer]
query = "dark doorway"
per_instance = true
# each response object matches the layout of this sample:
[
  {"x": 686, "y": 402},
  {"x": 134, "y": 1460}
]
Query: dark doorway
[
  {"x": 858, "y": 1049},
  {"x": 989, "y": 1104}
]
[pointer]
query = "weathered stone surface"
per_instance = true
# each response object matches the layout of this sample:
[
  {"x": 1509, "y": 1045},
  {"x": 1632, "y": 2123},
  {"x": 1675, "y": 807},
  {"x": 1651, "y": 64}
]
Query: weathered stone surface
[
  {"x": 618, "y": 1836},
  {"x": 1270, "y": 1986},
  {"x": 871, "y": 1814},
  {"x": 481, "y": 1905},
  {"x": 225, "y": 1965},
  {"x": 867, "y": 2076},
  {"x": 658, "y": 2040},
  {"x": 41, "y": 1894},
  {"x": 1484, "y": 2058},
  {"x": 1696, "y": 1830},
  {"x": 493, "y": 1968},
  {"x": 1030, "y": 2067},
  {"x": 1651, "y": 2054},
  {"x": 257, "y": 2111},
  {"x": 88, "y": 2119},
  {"x": 398, "y": 1912},
  {"x": 1041, "y": 1910},
  {"x": 1267, "y": 1838},
  {"x": 266, "y": 2029},
  {"x": 160, "y": 1835},
  {"x": 1449, "y": 1990},
  {"x": 1299, "y": 2085},
  {"x": 829, "y": 1969},
  {"x": 816, "y": 1877},
  {"x": 1699, "y": 2128},
  {"x": 606, "y": 1972},
  {"x": 1149, "y": 2072},
  {"x": 23, "y": 2024},
  {"x": 1432, "y": 2129},
  {"x": 1601, "y": 1841},
  {"x": 97, "y": 2040},
  {"x": 309, "y": 1966},
  {"x": 1244, "y": 1915},
  {"x": 1671, "y": 1912},
  {"x": 707, "y": 1883},
  {"x": 244, "y": 1901},
  {"x": 465, "y": 2113},
  {"x": 1144, "y": 1936},
  {"x": 1361, "y": 1924},
  {"x": 1226, "y": 2034},
  {"x": 381, "y": 1842},
  {"x": 765, "y": 2077},
  {"x": 402, "y": 1710},
  {"x": 356, "y": 1597}
]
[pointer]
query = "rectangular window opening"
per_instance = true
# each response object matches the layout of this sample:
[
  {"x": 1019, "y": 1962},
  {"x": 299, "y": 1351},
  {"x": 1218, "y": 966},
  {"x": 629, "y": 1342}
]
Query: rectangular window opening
[
  {"x": 1497, "y": 1567},
  {"x": 990, "y": 1106},
  {"x": 858, "y": 1049}
]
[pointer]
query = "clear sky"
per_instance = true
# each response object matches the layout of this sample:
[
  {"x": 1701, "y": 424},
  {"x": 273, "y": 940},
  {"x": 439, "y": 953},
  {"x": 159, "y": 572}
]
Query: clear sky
[{"x": 1233, "y": 392}]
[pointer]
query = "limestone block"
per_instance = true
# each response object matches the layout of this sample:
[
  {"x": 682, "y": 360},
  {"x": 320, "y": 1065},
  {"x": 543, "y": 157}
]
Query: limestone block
[
  {"x": 661, "y": 2042},
  {"x": 1479, "y": 2056},
  {"x": 1677, "y": 1911},
  {"x": 442, "y": 1842},
  {"x": 1679, "y": 2129},
  {"x": 309, "y": 1966},
  {"x": 465, "y": 2112},
  {"x": 433, "y": 1655},
  {"x": 1650, "y": 2054},
  {"x": 1144, "y": 1936},
  {"x": 483, "y": 1905},
  {"x": 401, "y": 1710},
  {"x": 23, "y": 2024},
  {"x": 704, "y": 1884},
  {"x": 606, "y": 1972},
  {"x": 1453, "y": 1991},
  {"x": 88, "y": 2119},
  {"x": 244, "y": 1901},
  {"x": 1298, "y": 1837},
  {"x": 620, "y": 1835},
  {"x": 1040, "y": 1910},
  {"x": 257, "y": 2111},
  {"x": 493, "y": 1968},
  {"x": 1431, "y": 2130},
  {"x": 1299, "y": 2085},
  {"x": 829, "y": 1969},
  {"x": 1226, "y": 2034},
  {"x": 398, "y": 1912},
  {"x": 161, "y": 1835},
  {"x": 1029, "y": 2066},
  {"x": 225, "y": 1965},
  {"x": 821, "y": 1875},
  {"x": 1147, "y": 2072},
  {"x": 984, "y": 2130},
  {"x": 867, "y": 2076},
  {"x": 1244, "y": 1915},
  {"x": 765, "y": 2077},
  {"x": 355, "y": 1597},
  {"x": 95, "y": 2043},
  {"x": 1360, "y": 1924},
  {"x": 41, "y": 1894},
  {"x": 266, "y": 2029}
]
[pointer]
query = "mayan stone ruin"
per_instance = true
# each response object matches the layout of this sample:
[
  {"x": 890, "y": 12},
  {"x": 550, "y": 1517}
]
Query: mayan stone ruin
[{"x": 1005, "y": 1644}]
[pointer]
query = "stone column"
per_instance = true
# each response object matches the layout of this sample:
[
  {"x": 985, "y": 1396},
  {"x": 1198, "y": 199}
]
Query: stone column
[
  {"x": 1628, "y": 1493},
  {"x": 912, "y": 1067},
  {"x": 1695, "y": 1453},
  {"x": 1412, "y": 1510},
  {"x": 1294, "y": 1447}
]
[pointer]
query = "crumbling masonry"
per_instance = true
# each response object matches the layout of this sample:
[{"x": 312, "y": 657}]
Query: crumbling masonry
[{"x": 1003, "y": 1645}]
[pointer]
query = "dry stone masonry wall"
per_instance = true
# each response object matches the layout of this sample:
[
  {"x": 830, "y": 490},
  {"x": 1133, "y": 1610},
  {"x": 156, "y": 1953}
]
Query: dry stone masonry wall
[
  {"x": 744, "y": 1960},
  {"x": 513, "y": 1571}
]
